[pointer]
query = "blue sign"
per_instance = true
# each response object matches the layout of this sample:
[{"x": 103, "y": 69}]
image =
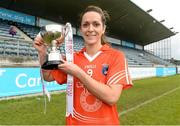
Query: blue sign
[
  {"x": 16, "y": 16},
  {"x": 19, "y": 81},
  {"x": 165, "y": 71}
]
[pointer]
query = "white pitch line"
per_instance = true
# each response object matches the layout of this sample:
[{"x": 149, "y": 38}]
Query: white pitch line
[{"x": 146, "y": 102}]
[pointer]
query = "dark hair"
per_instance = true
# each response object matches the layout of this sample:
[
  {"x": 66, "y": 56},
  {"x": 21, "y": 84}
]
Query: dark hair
[{"x": 104, "y": 17}]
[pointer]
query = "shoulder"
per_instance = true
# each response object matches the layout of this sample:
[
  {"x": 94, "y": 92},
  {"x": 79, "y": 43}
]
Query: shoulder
[
  {"x": 115, "y": 52},
  {"x": 78, "y": 54}
]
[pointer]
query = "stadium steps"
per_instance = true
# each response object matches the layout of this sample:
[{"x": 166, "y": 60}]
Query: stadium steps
[
  {"x": 29, "y": 30},
  {"x": 4, "y": 31},
  {"x": 23, "y": 35}
]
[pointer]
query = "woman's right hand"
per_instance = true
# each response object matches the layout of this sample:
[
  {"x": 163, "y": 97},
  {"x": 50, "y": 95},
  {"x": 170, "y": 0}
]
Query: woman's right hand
[{"x": 39, "y": 45}]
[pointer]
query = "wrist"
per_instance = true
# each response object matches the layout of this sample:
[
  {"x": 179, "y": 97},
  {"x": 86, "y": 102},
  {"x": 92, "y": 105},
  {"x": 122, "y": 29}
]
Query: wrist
[
  {"x": 81, "y": 75},
  {"x": 42, "y": 58},
  {"x": 42, "y": 53}
]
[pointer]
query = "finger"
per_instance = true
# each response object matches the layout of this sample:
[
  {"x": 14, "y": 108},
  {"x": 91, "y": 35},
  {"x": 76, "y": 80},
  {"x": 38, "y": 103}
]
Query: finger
[
  {"x": 60, "y": 40},
  {"x": 39, "y": 39},
  {"x": 37, "y": 43},
  {"x": 60, "y": 66},
  {"x": 63, "y": 61}
]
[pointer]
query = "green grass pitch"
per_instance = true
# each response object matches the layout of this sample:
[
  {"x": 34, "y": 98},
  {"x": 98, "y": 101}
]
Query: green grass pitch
[{"x": 163, "y": 110}]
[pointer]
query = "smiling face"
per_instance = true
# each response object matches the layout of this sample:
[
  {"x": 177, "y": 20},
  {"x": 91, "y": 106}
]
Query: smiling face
[{"x": 92, "y": 28}]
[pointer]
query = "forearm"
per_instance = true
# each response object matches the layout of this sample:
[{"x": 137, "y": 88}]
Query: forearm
[
  {"x": 107, "y": 93},
  {"x": 42, "y": 58}
]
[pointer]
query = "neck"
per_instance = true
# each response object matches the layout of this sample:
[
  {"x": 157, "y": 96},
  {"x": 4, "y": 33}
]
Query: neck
[{"x": 91, "y": 50}]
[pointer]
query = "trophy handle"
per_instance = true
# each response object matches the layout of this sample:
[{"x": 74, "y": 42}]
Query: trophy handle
[{"x": 66, "y": 29}]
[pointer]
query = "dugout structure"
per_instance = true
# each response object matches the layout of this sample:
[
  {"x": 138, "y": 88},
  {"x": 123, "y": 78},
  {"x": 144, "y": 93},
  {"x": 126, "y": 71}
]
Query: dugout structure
[{"x": 128, "y": 21}]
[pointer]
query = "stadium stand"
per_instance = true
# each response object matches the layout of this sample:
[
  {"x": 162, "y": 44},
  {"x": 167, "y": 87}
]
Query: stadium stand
[
  {"x": 4, "y": 31},
  {"x": 30, "y": 30},
  {"x": 18, "y": 46},
  {"x": 141, "y": 58}
]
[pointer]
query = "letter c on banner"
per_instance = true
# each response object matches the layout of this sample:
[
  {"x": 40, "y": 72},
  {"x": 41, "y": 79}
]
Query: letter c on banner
[{"x": 17, "y": 80}]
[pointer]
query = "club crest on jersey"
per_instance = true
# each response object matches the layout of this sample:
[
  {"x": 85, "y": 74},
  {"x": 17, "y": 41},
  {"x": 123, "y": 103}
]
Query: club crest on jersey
[{"x": 105, "y": 69}]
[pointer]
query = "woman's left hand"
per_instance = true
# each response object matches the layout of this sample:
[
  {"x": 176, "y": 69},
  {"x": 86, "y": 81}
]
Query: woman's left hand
[{"x": 69, "y": 68}]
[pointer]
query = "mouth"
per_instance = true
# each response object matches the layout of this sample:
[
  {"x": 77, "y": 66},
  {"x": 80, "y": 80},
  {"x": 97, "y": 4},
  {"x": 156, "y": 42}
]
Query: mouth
[{"x": 89, "y": 35}]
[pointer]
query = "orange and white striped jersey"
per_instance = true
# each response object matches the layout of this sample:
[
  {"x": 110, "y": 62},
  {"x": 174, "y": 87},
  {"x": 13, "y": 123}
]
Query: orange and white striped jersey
[{"x": 109, "y": 67}]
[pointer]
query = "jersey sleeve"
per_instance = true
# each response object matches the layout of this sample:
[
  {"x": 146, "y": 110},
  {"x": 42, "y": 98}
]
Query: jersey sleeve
[
  {"x": 118, "y": 71},
  {"x": 59, "y": 76}
]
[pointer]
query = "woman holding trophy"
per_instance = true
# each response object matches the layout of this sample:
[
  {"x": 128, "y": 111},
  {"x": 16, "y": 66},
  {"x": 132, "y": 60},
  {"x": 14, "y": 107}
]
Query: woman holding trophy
[{"x": 100, "y": 73}]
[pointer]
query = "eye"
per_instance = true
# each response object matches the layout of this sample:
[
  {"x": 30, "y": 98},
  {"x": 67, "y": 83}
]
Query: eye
[
  {"x": 96, "y": 24},
  {"x": 85, "y": 25}
]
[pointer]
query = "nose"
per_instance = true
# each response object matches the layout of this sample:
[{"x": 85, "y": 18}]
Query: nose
[{"x": 90, "y": 27}]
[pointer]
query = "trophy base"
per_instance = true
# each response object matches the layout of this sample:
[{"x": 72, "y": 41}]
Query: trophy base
[{"x": 51, "y": 65}]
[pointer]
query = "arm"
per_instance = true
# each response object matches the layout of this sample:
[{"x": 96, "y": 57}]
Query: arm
[
  {"x": 107, "y": 93},
  {"x": 42, "y": 48}
]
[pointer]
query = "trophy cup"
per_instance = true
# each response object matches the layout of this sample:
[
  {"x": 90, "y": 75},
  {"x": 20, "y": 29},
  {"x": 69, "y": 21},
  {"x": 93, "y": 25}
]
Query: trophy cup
[{"x": 49, "y": 34}]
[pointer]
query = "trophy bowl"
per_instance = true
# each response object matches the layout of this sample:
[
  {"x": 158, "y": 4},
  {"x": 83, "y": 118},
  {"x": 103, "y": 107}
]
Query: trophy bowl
[{"x": 49, "y": 34}]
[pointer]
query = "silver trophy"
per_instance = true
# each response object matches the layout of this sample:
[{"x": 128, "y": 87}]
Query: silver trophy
[{"x": 49, "y": 34}]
